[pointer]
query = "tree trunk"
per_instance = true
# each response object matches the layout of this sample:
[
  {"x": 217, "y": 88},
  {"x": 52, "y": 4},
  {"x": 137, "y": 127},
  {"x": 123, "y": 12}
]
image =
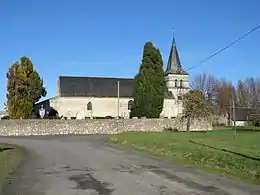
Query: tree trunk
[{"x": 188, "y": 123}]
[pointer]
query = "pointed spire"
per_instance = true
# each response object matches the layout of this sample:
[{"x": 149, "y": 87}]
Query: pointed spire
[
  {"x": 173, "y": 38},
  {"x": 174, "y": 64}
]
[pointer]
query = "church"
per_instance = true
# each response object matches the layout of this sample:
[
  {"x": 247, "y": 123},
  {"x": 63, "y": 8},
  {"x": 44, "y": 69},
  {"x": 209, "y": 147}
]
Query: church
[{"x": 104, "y": 97}]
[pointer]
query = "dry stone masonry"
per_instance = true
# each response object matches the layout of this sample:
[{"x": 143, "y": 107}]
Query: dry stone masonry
[{"x": 102, "y": 126}]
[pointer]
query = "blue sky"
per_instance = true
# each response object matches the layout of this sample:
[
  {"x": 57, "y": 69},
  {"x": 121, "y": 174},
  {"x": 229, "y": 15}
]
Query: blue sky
[{"x": 106, "y": 38}]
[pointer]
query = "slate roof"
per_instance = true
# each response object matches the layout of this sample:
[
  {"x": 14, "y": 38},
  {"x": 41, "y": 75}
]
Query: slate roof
[
  {"x": 94, "y": 86},
  {"x": 70, "y": 86},
  {"x": 174, "y": 63},
  {"x": 242, "y": 114}
]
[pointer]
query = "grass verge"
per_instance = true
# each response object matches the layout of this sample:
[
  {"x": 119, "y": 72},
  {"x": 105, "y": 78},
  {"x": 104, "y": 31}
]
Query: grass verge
[
  {"x": 248, "y": 128},
  {"x": 233, "y": 155},
  {"x": 10, "y": 158}
]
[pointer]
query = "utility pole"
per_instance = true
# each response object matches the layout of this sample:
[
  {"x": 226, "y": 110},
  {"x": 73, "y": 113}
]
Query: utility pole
[
  {"x": 234, "y": 115},
  {"x": 230, "y": 112},
  {"x": 118, "y": 94},
  {"x": 178, "y": 101}
]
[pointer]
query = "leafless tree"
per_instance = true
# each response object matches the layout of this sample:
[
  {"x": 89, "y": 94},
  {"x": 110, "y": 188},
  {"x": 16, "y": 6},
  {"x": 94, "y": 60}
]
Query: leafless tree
[
  {"x": 253, "y": 90},
  {"x": 207, "y": 84},
  {"x": 221, "y": 93},
  {"x": 242, "y": 94},
  {"x": 248, "y": 92},
  {"x": 225, "y": 94}
]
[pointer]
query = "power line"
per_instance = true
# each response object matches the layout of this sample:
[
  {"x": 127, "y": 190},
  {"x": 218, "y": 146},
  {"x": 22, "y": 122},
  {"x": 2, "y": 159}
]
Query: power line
[{"x": 221, "y": 50}]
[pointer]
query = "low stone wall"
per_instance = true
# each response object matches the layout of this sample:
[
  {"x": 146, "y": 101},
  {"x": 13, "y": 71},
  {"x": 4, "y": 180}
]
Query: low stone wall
[{"x": 102, "y": 126}]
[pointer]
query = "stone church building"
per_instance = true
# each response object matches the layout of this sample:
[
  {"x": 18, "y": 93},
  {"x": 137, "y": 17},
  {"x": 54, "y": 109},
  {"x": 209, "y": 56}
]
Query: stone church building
[{"x": 102, "y": 97}]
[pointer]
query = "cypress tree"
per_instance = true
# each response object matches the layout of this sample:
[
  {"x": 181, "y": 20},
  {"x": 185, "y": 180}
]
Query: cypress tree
[{"x": 149, "y": 83}]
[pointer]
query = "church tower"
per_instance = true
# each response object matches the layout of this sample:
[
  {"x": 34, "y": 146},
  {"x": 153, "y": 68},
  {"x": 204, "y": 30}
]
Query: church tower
[{"x": 177, "y": 80}]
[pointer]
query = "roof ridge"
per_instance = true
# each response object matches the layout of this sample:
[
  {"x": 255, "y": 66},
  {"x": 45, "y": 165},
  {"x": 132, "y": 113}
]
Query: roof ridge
[{"x": 98, "y": 77}]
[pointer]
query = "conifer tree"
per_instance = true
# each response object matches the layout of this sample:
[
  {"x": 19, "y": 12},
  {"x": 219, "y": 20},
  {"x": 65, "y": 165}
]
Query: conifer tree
[
  {"x": 149, "y": 83},
  {"x": 24, "y": 89}
]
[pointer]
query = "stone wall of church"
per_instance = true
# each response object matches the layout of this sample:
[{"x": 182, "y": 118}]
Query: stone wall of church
[
  {"x": 171, "y": 108},
  {"x": 96, "y": 126},
  {"x": 77, "y": 107}
]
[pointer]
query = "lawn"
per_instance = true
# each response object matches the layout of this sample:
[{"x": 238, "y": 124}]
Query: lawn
[
  {"x": 10, "y": 158},
  {"x": 239, "y": 160},
  {"x": 248, "y": 128}
]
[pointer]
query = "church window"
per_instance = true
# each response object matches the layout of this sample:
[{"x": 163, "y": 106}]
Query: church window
[
  {"x": 181, "y": 83},
  {"x": 89, "y": 106},
  {"x": 130, "y": 105},
  {"x": 176, "y": 83}
]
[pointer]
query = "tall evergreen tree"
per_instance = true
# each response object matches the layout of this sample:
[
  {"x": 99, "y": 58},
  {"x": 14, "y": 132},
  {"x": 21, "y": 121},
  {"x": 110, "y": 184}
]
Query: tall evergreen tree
[
  {"x": 149, "y": 83},
  {"x": 24, "y": 89}
]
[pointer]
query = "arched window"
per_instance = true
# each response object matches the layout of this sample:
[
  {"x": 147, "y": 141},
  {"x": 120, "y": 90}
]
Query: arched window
[
  {"x": 181, "y": 83},
  {"x": 176, "y": 83},
  {"x": 130, "y": 105},
  {"x": 89, "y": 106}
]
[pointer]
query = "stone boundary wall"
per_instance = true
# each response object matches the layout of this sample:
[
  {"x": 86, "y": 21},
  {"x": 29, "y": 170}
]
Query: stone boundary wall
[{"x": 96, "y": 126}]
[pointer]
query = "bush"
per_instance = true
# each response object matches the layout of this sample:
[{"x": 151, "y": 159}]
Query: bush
[
  {"x": 256, "y": 123},
  {"x": 5, "y": 118}
]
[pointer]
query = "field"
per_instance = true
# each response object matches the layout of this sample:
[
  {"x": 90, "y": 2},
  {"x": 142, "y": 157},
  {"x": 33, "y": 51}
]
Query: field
[
  {"x": 10, "y": 158},
  {"x": 236, "y": 156}
]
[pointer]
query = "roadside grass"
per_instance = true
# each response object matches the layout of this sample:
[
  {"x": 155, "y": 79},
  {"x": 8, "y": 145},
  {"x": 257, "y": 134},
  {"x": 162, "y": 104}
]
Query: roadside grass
[
  {"x": 236, "y": 156},
  {"x": 10, "y": 159},
  {"x": 248, "y": 128},
  {"x": 239, "y": 128}
]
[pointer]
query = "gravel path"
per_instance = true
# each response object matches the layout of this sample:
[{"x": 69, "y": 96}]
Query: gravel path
[{"x": 86, "y": 165}]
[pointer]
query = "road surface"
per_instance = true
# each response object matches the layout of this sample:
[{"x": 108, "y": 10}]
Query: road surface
[{"x": 86, "y": 165}]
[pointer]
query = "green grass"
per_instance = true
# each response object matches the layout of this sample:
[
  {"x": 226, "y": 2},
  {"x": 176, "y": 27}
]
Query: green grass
[
  {"x": 10, "y": 158},
  {"x": 177, "y": 148},
  {"x": 248, "y": 128},
  {"x": 239, "y": 128}
]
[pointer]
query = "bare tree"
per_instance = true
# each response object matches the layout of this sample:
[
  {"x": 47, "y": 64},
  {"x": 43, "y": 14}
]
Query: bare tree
[
  {"x": 226, "y": 92},
  {"x": 253, "y": 91},
  {"x": 207, "y": 84},
  {"x": 248, "y": 92},
  {"x": 221, "y": 93},
  {"x": 242, "y": 94}
]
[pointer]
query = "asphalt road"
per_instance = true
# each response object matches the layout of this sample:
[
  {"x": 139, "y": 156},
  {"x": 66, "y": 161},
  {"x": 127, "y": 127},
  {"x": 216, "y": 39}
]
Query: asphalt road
[{"x": 89, "y": 166}]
